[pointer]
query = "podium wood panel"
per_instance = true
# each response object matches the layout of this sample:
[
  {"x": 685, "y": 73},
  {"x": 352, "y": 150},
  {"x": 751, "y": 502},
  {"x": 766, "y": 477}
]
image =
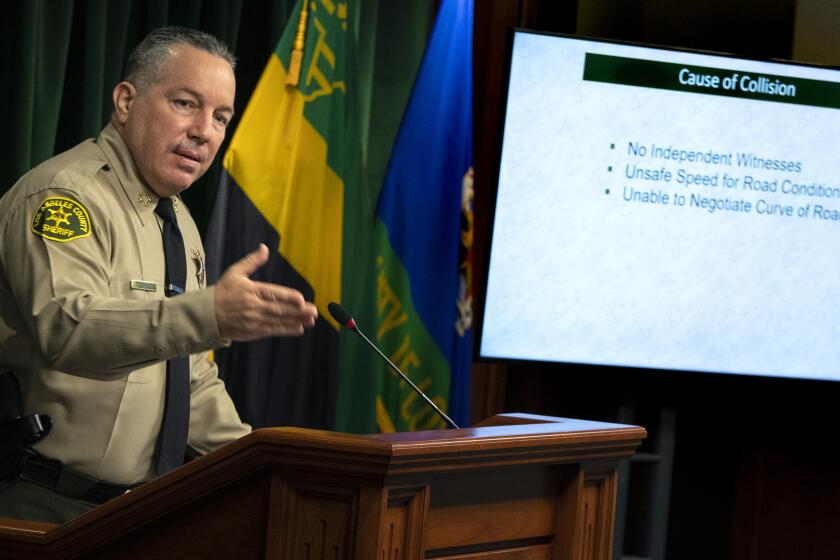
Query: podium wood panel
[{"x": 517, "y": 487}]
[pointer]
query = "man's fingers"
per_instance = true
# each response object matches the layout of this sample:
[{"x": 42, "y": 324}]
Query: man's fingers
[
  {"x": 291, "y": 302},
  {"x": 249, "y": 264},
  {"x": 276, "y": 292},
  {"x": 273, "y": 311},
  {"x": 281, "y": 327},
  {"x": 265, "y": 326}
]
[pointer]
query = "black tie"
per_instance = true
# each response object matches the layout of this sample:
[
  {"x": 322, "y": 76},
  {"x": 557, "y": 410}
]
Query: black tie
[{"x": 172, "y": 439}]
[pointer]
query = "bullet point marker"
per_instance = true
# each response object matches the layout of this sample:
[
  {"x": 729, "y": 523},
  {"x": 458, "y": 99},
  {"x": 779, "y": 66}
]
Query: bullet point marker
[
  {"x": 612, "y": 146},
  {"x": 607, "y": 191},
  {"x": 609, "y": 168}
]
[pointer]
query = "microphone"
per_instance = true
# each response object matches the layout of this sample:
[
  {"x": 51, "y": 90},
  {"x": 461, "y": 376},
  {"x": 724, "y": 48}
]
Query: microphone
[{"x": 343, "y": 318}]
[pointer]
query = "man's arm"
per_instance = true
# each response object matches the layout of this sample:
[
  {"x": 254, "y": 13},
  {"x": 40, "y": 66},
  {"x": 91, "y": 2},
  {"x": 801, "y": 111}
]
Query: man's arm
[
  {"x": 85, "y": 320},
  {"x": 213, "y": 418}
]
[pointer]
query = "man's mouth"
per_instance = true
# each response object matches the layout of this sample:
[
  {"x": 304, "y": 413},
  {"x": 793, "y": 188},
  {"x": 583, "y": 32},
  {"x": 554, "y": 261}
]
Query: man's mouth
[{"x": 189, "y": 154}]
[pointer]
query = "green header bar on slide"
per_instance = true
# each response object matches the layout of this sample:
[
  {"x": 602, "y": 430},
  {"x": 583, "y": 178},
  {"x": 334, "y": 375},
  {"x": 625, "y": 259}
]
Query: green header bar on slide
[{"x": 711, "y": 81}]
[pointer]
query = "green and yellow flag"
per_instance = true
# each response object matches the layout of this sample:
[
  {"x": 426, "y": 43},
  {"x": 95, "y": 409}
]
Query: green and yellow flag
[{"x": 293, "y": 179}]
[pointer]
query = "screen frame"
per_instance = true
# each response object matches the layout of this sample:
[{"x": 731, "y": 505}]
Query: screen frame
[{"x": 492, "y": 197}]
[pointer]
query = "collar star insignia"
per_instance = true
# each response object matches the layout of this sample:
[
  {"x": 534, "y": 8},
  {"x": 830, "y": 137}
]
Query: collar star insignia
[{"x": 144, "y": 198}]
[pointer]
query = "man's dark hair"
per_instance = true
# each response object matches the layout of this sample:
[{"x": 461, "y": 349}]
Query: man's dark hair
[{"x": 147, "y": 58}]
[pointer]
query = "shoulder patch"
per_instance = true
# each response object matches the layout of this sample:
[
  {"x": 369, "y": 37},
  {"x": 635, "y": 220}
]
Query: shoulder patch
[{"x": 61, "y": 219}]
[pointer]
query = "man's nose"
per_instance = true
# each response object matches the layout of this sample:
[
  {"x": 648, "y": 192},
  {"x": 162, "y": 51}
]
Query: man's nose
[{"x": 201, "y": 127}]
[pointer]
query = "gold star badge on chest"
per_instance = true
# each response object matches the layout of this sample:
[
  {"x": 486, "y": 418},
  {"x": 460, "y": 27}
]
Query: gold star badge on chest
[{"x": 200, "y": 268}]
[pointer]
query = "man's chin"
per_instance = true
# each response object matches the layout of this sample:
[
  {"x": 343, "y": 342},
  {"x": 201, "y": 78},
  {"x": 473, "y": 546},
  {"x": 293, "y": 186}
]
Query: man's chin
[
  {"x": 170, "y": 189},
  {"x": 178, "y": 184}
]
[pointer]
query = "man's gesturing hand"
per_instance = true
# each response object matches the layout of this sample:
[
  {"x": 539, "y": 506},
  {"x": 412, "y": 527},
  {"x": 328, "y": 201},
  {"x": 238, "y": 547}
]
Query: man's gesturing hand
[{"x": 248, "y": 310}]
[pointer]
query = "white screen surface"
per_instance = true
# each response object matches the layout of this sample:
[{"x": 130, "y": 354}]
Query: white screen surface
[{"x": 602, "y": 252}]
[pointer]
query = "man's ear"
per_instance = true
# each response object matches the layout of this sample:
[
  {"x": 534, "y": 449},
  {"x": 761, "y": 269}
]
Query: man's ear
[{"x": 124, "y": 95}]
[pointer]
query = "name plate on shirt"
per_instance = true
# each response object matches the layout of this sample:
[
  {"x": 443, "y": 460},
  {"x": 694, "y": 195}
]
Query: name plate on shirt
[{"x": 143, "y": 286}]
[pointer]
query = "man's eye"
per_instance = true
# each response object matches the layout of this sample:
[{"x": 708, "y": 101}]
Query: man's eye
[
  {"x": 182, "y": 103},
  {"x": 222, "y": 120}
]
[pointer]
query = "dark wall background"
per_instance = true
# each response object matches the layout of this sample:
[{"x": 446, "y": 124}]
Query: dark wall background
[{"x": 754, "y": 464}]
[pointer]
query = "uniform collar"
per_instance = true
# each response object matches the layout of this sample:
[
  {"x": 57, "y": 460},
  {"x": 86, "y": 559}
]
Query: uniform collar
[{"x": 141, "y": 197}]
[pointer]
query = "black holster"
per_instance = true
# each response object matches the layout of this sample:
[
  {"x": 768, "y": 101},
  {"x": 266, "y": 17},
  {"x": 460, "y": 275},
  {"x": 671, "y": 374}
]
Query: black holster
[
  {"x": 16, "y": 432},
  {"x": 15, "y": 435}
]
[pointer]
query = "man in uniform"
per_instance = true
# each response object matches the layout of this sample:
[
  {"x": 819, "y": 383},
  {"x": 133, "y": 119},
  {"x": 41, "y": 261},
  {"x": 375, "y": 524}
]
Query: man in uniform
[{"x": 105, "y": 321}]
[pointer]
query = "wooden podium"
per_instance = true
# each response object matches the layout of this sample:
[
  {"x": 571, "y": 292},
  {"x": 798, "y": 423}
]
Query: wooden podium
[{"x": 518, "y": 487}]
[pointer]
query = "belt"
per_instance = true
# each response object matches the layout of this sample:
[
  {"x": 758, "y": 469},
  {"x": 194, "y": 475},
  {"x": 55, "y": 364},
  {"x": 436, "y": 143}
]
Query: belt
[{"x": 52, "y": 474}]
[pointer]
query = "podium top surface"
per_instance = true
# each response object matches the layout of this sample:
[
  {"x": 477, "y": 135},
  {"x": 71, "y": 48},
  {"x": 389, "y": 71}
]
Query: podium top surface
[{"x": 507, "y": 433}]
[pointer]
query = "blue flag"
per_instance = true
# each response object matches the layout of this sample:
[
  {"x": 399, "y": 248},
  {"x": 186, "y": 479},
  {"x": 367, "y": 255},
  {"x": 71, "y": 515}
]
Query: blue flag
[{"x": 424, "y": 234}]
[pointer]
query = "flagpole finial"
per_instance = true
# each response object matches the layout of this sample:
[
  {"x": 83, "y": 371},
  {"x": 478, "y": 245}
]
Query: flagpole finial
[{"x": 296, "y": 60}]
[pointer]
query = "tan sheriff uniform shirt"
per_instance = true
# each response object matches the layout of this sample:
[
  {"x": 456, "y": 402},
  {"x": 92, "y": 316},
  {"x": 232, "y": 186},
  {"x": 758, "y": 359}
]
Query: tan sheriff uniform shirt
[{"x": 80, "y": 246}]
